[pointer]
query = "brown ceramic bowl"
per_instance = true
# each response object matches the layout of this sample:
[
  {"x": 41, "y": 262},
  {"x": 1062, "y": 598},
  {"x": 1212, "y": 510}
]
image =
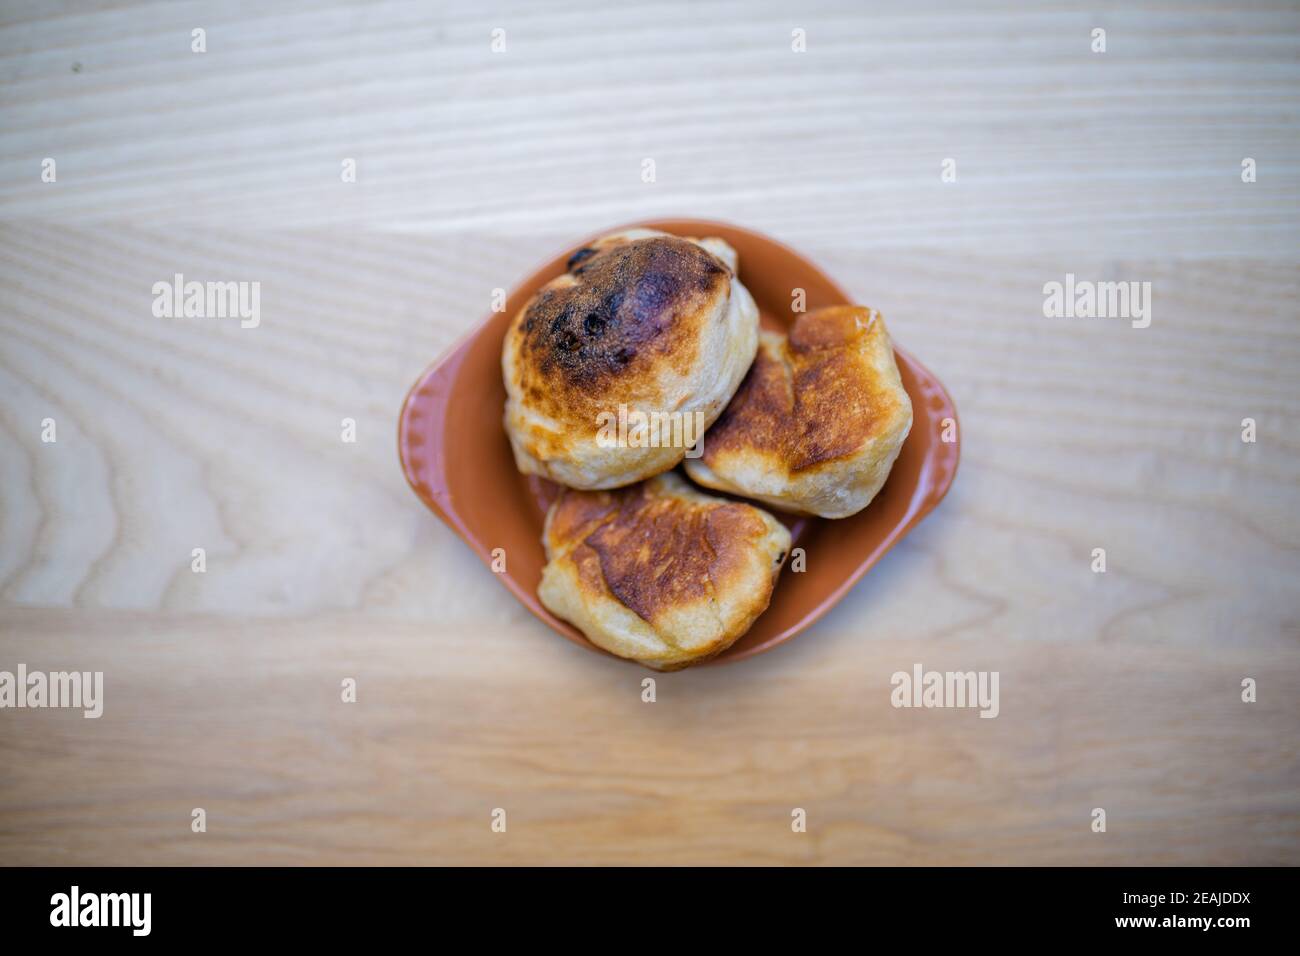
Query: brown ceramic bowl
[{"x": 457, "y": 458}]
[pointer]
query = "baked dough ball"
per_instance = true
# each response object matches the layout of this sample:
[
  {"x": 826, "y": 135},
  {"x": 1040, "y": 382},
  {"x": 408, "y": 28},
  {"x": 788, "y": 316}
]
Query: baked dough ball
[
  {"x": 641, "y": 324},
  {"x": 818, "y": 422},
  {"x": 660, "y": 572}
]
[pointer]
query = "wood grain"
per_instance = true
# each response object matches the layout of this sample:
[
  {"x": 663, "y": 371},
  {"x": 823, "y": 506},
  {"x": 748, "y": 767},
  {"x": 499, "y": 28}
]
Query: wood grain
[{"x": 1119, "y": 690}]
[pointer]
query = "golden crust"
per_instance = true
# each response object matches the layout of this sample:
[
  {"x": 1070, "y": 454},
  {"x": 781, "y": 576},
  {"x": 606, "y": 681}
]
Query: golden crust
[
  {"x": 819, "y": 420},
  {"x": 642, "y": 321},
  {"x": 659, "y": 572}
]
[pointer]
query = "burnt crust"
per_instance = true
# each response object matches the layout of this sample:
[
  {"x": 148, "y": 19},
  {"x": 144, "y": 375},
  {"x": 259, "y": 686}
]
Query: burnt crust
[
  {"x": 810, "y": 401},
  {"x": 623, "y": 307},
  {"x": 654, "y": 552}
]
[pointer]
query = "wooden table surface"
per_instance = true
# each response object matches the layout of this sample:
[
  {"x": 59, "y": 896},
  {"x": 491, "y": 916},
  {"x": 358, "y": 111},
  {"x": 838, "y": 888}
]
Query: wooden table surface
[{"x": 1119, "y": 690}]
